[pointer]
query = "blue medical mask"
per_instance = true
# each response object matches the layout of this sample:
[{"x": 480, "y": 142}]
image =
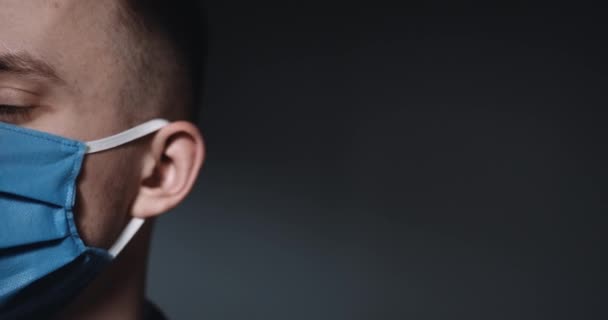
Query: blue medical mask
[{"x": 43, "y": 260}]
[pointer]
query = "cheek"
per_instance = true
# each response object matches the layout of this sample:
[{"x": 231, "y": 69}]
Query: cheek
[{"x": 107, "y": 186}]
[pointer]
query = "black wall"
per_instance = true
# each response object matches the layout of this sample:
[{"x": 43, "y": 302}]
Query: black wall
[{"x": 421, "y": 162}]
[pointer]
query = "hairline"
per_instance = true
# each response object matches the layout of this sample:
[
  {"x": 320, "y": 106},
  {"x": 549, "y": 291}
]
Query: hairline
[{"x": 159, "y": 64}]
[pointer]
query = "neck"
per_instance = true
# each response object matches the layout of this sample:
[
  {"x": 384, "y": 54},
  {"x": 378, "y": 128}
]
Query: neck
[{"x": 119, "y": 291}]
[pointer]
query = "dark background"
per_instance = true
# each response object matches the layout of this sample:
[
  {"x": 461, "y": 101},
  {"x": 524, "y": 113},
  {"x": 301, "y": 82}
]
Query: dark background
[{"x": 413, "y": 162}]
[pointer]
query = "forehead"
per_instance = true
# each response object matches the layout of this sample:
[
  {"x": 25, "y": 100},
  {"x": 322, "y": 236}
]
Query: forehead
[{"x": 77, "y": 37}]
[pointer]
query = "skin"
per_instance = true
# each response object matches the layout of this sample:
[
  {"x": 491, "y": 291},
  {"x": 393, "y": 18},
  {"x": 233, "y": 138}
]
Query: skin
[{"x": 92, "y": 97}]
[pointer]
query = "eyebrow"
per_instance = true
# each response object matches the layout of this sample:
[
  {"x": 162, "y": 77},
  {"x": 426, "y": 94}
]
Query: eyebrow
[{"x": 25, "y": 64}]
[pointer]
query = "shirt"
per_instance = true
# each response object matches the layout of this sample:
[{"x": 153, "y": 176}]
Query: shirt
[{"x": 152, "y": 312}]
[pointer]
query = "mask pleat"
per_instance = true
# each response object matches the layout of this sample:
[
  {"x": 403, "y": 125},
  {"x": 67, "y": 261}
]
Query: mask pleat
[
  {"x": 30, "y": 223},
  {"x": 29, "y": 266},
  {"x": 49, "y": 164}
]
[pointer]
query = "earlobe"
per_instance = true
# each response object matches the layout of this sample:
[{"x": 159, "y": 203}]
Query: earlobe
[{"x": 169, "y": 170}]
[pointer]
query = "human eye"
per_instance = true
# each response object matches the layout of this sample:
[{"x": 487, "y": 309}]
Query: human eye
[
  {"x": 13, "y": 114},
  {"x": 15, "y": 106}
]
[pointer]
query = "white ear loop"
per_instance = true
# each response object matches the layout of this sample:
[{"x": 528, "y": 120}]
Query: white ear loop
[
  {"x": 126, "y": 236},
  {"x": 119, "y": 139},
  {"x": 114, "y": 141}
]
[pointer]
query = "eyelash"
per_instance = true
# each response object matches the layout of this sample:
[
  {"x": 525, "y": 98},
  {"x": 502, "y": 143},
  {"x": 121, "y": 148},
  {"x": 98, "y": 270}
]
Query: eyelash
[{"x": 20, "y": 113}]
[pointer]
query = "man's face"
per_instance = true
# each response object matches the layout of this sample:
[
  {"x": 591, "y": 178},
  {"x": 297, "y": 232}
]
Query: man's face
[{"x": 65, "y": 65}]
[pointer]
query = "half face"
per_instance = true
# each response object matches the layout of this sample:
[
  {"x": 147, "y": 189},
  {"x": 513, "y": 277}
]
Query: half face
[{"x": 64, "y": 69}]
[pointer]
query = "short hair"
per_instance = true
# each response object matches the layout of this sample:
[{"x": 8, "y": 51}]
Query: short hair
[{"x": 182, "y": 25}]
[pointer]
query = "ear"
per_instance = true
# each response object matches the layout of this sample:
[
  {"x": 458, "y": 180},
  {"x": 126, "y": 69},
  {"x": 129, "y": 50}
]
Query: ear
[{"x": 169, "y": 169}]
